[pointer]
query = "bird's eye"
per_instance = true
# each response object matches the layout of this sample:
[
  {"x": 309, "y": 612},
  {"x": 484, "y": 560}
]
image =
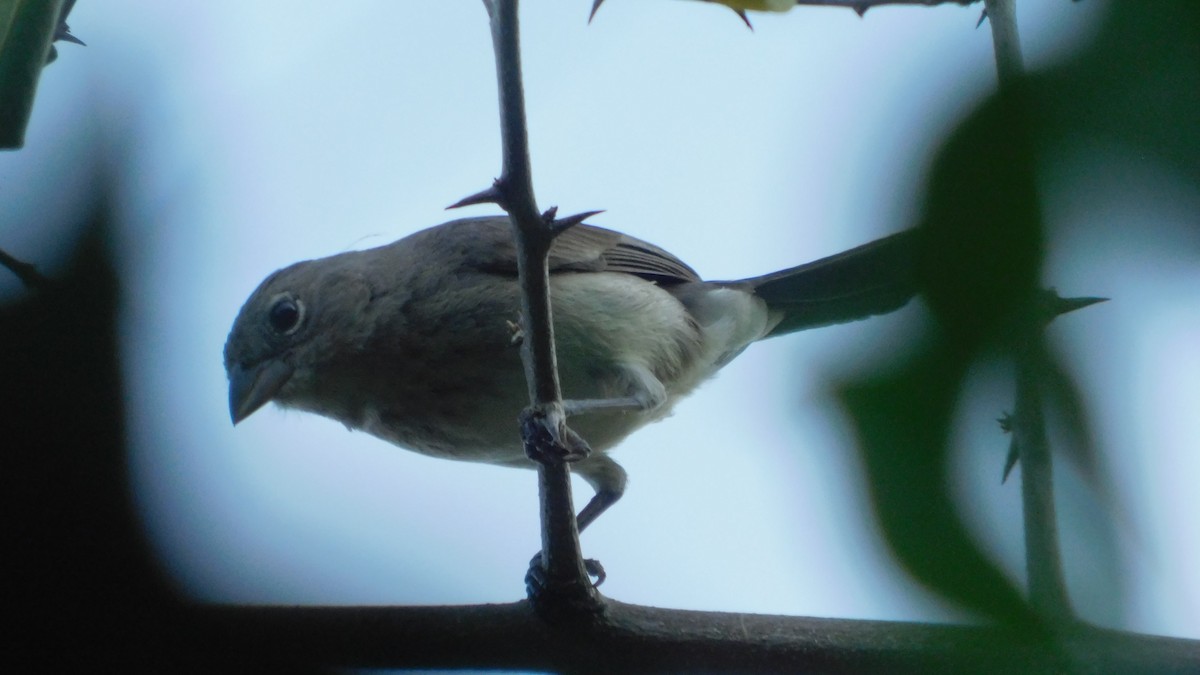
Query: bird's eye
[{"x": 285, "y": 315}]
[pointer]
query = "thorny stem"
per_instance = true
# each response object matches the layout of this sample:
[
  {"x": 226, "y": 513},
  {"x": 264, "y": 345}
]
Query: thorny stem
[
  {"x": 859, "y": 6},
  {"x": 547, "y": 439},
  {"x": 1043, "y": 560}
]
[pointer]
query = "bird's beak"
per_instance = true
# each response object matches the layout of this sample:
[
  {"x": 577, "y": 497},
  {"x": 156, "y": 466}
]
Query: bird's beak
[{"x": 251, "y": 388}]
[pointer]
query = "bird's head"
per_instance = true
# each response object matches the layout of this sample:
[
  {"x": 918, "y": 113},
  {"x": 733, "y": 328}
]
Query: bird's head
[{"x": 298, "y": 320}]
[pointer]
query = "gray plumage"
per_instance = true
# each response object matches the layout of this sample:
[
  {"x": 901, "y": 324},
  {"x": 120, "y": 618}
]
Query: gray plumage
[{"x": 413, "y": 341}]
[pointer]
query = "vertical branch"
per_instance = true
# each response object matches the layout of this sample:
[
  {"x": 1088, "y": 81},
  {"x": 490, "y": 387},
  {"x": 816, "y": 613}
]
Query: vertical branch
[
  {"x": 543, "y": 425},
  {"x": 515, "y": 185},
  {"x": 1043, "y": 560},
  {"x": 1006, "y": 41}
]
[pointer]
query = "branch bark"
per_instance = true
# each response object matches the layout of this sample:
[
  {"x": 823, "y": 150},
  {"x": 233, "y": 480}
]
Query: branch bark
[{"x": 635, "y": 639}]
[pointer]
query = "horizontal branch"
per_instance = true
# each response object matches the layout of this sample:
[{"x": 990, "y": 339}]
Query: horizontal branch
[
  {"x": 633, "y": 638},
  {"x": 861, "y": 6}
]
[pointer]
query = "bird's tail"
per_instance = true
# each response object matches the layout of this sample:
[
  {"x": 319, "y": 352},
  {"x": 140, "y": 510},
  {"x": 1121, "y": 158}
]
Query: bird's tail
[{"x": 871, "y": 279}]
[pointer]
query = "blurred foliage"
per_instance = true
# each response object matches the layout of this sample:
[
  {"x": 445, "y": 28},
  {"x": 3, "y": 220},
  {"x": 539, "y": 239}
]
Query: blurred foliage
[
  {"x": 1135, "y": 86},
  {"x": 28, "y": 29},
  {"x": 82, "y": 591}
]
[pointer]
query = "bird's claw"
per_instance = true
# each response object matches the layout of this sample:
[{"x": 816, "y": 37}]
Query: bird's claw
[
  {"x": 547, "y": 436},
  {"x": 595, "y": 569},
  {"x": 518, "y": 333},
  {"x": 536, "y": 581}
]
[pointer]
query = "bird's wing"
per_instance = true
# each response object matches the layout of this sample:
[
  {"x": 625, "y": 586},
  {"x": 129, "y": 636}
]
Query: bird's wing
[{"x": 582, "y": 248}]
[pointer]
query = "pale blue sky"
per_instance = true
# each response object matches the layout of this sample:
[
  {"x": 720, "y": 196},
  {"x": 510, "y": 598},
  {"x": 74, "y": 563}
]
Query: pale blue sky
[{"x": 258, "y": 134}]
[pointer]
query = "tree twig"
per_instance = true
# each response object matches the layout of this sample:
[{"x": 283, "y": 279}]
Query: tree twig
[
  {"x": 548, "y": 440},
  {"x": 1043, "y": 559},
  {"x": 1006, "y": 41},
  {"x": 859, "y": 6},
  {"x": 24, "y": 271}
]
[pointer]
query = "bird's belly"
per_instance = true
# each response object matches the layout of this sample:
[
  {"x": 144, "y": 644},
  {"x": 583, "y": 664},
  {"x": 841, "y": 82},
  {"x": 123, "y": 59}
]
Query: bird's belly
[
  {"x": 460, "y": 396},
  {"x": 480, "y": 423}
]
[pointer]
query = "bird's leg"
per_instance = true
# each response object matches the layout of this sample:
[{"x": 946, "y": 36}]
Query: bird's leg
[
  {"x": 645, "y": 392},
  {"x": 595, "y": 405},
  {"x": 598, "y": 504},
  {"x": 608, "y": 479},
  {"x": 535, "y": 576}
]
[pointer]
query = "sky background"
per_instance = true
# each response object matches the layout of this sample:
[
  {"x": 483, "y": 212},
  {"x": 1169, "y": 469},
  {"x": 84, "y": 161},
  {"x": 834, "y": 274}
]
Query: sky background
[{"x": 253, "y": 135}]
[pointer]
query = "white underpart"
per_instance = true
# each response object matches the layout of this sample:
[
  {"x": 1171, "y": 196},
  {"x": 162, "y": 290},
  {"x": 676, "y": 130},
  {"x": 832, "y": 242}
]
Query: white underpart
[
  {"x": 642, "y": 328},
  {"x": 729, "y": 319}
]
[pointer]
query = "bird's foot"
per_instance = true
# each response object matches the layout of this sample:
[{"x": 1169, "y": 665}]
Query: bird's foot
[
  {"x": 537, "y": 583},
  {"x": 548, "y": 438},
  {"x": 518, "y": 333}
]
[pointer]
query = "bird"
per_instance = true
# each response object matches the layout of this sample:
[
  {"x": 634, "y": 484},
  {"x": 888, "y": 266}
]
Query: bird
[{"x": 415, "y": 342}]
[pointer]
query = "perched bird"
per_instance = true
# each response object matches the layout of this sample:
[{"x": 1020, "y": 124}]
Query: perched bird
[{"x": 414, "y": 341}]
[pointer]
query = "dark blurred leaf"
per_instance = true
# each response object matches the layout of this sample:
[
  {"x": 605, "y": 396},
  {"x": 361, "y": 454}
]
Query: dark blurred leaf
[
  {"x": 978, "y": 259},
  {"x": 28, "y": 29},
  {"x": 1136, "y": 86},
  {"x": 981, "y": 249},
  {"x": 82, "y": 591},
  {"x": 902, "y": 419}
]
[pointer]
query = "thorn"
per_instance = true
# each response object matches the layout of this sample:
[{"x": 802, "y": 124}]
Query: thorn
[
  {"x": 491, "y": 195},
  {"x": 63, "y": 31},
  {"x": 1054, "y": 306},
  {"x": 548, "y": 215},
  {"x": 982, "y": 18},
  {"x": 1006, "y": 425},
  {"x": 861, "y": 9},
  {"x": 595, "y": 6},
  {"x": 1066, "y": 305},
  {"x": 560, "y": 225},
  {"x": 64, "y": 34},
  {"x": 1010, "y": 461},
  {"x": 742, "y": 14}
]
